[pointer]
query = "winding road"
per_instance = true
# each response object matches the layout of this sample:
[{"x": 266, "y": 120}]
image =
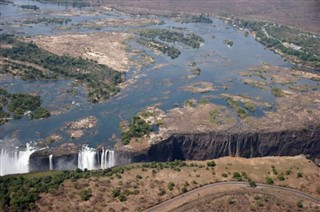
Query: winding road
[{"x": 174, "y": 202}]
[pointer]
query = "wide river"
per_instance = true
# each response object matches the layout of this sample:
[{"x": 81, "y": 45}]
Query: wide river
[{"x": 219, "y": 65}]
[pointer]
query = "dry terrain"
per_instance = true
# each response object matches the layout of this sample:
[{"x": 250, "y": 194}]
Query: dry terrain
[
  {"x": 141, "y": 186},
  {"x": 108, "y": 48},
  {"x": 301, "y": 14}
]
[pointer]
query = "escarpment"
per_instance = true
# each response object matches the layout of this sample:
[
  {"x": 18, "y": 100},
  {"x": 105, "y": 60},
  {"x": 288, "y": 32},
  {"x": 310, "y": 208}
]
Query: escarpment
[{"x": 203, "y": 146}]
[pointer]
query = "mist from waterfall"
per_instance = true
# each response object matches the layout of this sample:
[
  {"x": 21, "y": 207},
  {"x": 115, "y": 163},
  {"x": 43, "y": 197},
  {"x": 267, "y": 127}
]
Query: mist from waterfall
[{"x": 13, "y": 161}]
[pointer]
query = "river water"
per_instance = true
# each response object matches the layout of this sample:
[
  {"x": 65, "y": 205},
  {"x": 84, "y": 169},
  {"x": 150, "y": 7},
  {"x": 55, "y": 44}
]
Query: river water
[{"x": 219, "y": 65}]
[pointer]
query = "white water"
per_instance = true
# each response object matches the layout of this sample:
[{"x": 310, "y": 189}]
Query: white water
[
  {"x": 50, "y": 163},
  {"x": 13, "y": 161},
  {"x": 107, "y": 159},
  {"x": 88, "y": 158}
]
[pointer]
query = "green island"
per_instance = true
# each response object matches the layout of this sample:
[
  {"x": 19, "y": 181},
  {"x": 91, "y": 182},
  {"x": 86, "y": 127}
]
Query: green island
[
  {"x": 31, "y": 62},
  {"x": 242, "y": 113},
  {"x": 171, "y": 36},
  {"x": 18, "y": 104},
  {"x": 136, "y": 129},
  {"x": 30, "y": 7},
  {"x": 48, "y": 20},
  {"x": 156, "y": 45},
  {"x": 195, "y": 19}
]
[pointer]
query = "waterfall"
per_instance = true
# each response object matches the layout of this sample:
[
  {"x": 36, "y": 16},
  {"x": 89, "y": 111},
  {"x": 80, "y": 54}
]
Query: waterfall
[
  {"x": 88, "y": 158},
  {"x": 107, "y": 159},
  {"x": 14, "y": 161},
  {"x": 50, "y": 162}
]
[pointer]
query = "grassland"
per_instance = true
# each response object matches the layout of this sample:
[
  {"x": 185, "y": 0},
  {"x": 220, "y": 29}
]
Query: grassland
[{"x": 138, "y": 186}]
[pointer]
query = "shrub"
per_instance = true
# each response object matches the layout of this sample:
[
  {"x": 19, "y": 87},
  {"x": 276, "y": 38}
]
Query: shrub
[
  {"x": 299, "y": 175},
  {"x": 184, "y": 190},
  {"x": 269, "y": 180},
  {"x": 299, "y": 204},
  {"x": 85, "y": 194},
  {"x": 252, "y": 184},
  {"x": 281, "y": 177},
  {"x": 171, "y": 186},
  {"x": 161, "y": 192},
  {"x": 211, "y": 164},
  {"x": 225, "y": 175}
]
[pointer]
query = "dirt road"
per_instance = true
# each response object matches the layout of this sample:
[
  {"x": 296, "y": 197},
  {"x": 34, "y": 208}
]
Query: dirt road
[{"x": 211, "y": 188}]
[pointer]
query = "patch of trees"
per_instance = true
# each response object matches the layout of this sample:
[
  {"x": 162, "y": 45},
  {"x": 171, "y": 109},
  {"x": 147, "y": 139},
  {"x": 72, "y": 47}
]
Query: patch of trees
[
  {"x": 48, "y": 21},
  {"x": 165, "y": 49},
  {"x": 273, "y": 36},
  {"x": 101, "y": 80},
  {"x": 197, "y": 19},
  {"x": 171, "y": 36},
  {"x": 20, "y": 192},
  {"x": 136, "y": 129},
  {"x": 30, "y": 7},
  {"x": 18, "y": 104}
]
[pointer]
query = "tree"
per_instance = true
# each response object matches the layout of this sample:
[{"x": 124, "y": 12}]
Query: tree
[
  {"x": 252, "y": 184},
  {"x": 211, "y": 164}
]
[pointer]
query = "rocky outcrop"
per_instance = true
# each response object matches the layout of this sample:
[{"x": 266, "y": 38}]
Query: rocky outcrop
[
  {"x": 64, "y": 157},
  {"x": 211, "y": 145}
]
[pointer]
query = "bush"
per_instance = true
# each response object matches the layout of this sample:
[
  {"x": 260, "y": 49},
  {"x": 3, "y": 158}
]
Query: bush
[
  {"x": 171, "y": 186},
  {"x": 161, "y": 192},
  {"x": 299, "y": 204},
  {"x": 299, "y": 175},
  {"x": 281, "y": 177},
  {"x": 225, "y": 175},
  {"x": 184, "y": 190},
  {"x": 252, "y": 184},
  {"x": 269, "y": 180},
  {"x": 122, "y": 198},
  {"x": 211, "y": 164},
  {"x": 85, "y": 194}
]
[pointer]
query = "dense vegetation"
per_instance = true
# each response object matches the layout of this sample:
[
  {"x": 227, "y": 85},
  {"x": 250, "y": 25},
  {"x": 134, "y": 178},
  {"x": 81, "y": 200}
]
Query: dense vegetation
[
  {"x": 171, "y": 36},
  {"x": 73, "y": 3},
  {"x": 30, "y": 7},
  {"x": 165, "y": 49},
  {"x": 136, "y": 129},
  {"x": 16, "y": 105},
  {"x": 47, "y": 20},
  {"x": 291, "y": 42},
  {"x": 33, "y": 62},
  {"x": 242, "y": 113},
  {"x": 196, "y": 19}
]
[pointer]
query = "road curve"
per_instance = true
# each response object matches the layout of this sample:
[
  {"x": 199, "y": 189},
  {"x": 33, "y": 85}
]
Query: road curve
[{"x": 162, "y": 205}]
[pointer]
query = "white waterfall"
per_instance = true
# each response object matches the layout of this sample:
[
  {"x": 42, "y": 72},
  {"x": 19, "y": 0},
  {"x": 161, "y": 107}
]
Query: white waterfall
[
  {"x": 13, "y": 161},
  {"x": 107, "y": 159},
  {"x": 50, "y": 162},
  {"x": 88, "y": 158}
]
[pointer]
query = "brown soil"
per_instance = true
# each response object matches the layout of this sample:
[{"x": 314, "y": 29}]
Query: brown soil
[
  {"x": 145, "y": 192},
  {"x": 109, "y": 47},
  {"x": 301, "y": 14}
]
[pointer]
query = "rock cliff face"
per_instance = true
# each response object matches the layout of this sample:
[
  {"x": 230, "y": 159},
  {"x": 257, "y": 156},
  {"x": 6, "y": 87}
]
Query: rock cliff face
[
  {"x": 198, "y": 146},
  {"x": 211, "y": 145}
]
